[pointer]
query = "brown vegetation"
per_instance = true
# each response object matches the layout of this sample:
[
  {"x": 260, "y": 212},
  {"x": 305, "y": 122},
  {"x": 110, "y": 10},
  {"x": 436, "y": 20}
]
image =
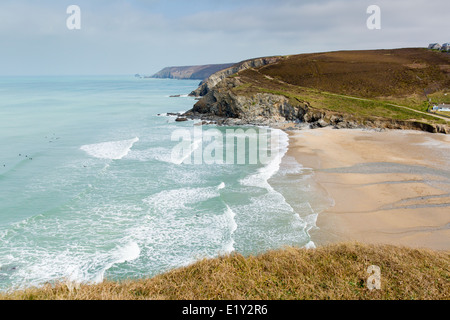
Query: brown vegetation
[
  {"x": 368, "y": 74},
  {"x": 333, "y": 272},
  {"x": 364, "y": 87}
]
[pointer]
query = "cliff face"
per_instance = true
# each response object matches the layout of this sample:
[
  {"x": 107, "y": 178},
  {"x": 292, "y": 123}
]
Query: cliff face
[
  {"x": 271, "y": 91},
  {"x": 222, "y": 105},
  {"x": 190, "y": 72},
  {"x": 215, "y": 78}
]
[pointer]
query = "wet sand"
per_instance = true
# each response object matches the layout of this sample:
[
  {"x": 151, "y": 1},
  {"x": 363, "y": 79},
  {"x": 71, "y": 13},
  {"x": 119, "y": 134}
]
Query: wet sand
[{"x": 388, "y": 187}]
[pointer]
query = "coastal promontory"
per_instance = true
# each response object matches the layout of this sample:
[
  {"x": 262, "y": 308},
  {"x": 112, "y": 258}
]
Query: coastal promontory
[
  {"x": 190, "y": 72},
  {"x": 392, "y": 89}
]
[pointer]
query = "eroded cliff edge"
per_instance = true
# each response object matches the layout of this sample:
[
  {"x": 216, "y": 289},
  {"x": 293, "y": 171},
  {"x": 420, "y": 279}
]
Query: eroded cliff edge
[
  {"x": 214, "y": 79},
  {"x": 277, "y": 90}
]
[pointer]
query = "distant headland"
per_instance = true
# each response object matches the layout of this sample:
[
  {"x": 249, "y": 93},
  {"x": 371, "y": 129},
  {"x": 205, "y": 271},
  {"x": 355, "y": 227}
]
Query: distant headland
[{"x": 200, "y": 72}]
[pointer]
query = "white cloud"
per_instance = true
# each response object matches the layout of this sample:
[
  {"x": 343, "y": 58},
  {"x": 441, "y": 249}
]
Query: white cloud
[{"x": 120, "y": 36}]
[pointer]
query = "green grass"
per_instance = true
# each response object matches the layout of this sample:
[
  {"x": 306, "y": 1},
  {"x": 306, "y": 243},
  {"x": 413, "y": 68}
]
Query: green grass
[
  {"x": 331, "y": 81},
  {"x": 360, "y": 109},
  {"x": 443, "y": 113},
  {"x": 440, "y": 97},
  {"x": 243, "y": 87}
]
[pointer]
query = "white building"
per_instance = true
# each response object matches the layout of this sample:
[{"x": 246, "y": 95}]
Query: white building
[
  {"x": 442, "y": 107},
  {"x": 434, "y": 46},
  {"x": 446, "y": 47}
]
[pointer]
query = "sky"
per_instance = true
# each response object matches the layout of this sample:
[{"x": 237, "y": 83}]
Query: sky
[{"x": 143, "y": 36}]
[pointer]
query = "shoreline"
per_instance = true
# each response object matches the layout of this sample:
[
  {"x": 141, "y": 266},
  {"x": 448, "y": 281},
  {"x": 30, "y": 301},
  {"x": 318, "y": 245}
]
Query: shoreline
[
  {"x": 383, "y": 186},
  {"x": 389, "y": 187}
]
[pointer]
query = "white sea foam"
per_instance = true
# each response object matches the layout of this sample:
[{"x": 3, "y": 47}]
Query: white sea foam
[
  {"x": 114, "y": 150},
  {"x": 158, "y": 153},
  {"x": 170, "y": 200},
  {"x": 291, "y": 166},
  {"x": 230, "y": 216},
  {"x": 82, "y": 271},
  {"x": 310, "y": 245},
  {"x": 262, "y": 176},
  {"x": 260, "y": 179},
  {"x": 73, "y": 265},
  {"x": 129, "y": 252},
  {"x": 228, "y": 247}
]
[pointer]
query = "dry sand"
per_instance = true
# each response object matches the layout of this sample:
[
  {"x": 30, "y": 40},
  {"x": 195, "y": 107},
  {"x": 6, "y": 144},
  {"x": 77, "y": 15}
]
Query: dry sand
[{"x": 388, "y": 187}]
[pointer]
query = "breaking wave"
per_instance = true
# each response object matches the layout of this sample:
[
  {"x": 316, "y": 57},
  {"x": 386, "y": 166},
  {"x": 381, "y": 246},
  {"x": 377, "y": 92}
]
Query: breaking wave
[{"x": 114, "y": 150}]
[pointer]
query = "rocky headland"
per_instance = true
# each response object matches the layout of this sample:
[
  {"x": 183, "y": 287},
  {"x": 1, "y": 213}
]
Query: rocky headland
[
  {"x": 262, "y": 92},
  {"x": 216, "y": 78}
]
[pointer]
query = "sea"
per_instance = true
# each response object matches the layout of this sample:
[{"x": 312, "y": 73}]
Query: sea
[{"x": 90, "y": 189}]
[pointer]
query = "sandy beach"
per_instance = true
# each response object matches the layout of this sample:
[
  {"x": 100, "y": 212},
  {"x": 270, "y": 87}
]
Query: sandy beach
[{"x": 388, "y": 187}]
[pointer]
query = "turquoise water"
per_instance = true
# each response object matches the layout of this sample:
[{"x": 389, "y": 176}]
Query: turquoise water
[{"x": 89, "y": 190}]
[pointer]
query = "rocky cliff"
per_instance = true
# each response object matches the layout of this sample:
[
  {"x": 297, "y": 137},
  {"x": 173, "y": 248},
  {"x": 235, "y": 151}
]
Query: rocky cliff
[
  {"x": 215, "y": 78},
  {"x": 223, "y": 106},
  {"x": 270, "y": 91}
]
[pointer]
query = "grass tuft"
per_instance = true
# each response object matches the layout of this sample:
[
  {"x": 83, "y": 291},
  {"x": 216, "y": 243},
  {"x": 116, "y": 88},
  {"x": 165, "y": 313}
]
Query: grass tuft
[{"x": 336, "y": 272}]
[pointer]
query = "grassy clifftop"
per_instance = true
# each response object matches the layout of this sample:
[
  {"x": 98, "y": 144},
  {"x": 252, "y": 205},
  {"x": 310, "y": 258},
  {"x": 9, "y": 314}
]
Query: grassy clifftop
[
  {"x": 333, "y": 272},
  {"x": 379, "y": 78},
  {"x": 365, "y": 87},
  {"x": 369, "y": 74}
]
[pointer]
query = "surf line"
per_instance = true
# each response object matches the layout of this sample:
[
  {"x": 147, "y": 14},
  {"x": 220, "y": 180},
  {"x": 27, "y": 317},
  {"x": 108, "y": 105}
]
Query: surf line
[
  {"x": 113, "y": 150},
  {"x": 230, "y": 217}
]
